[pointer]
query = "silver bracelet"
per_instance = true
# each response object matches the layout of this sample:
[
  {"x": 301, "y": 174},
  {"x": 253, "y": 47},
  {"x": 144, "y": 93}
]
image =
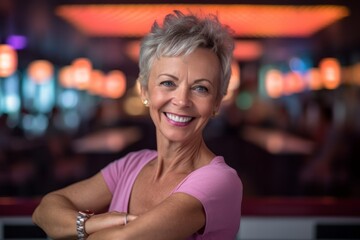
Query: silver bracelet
[{"x": 80, "y": 223}]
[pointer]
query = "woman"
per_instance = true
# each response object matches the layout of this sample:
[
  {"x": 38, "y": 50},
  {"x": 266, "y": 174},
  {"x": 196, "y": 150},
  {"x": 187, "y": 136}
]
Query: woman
[{"x": 182, "y": 190}]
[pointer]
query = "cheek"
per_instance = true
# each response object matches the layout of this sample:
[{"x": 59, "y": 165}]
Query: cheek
[
  {"x": 157, "y": 99},
  {"x": 206, "y": 107},
  {"x": 210, "y": 112},
  {"x": 154, "y": 115}
]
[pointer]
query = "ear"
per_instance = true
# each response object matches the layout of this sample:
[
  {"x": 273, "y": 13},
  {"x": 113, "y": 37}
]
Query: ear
[
  {"x": 217, "y": 104},
  {"x": 144, "y": 93},
  {"x": 216, "y": 110}
]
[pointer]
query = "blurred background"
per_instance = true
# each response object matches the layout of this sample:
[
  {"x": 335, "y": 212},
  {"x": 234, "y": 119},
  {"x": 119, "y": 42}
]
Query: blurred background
[{"x": 69, "y": 103}]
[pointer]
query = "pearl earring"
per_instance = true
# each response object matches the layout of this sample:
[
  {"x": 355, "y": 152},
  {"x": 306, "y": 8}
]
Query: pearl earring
[{"x": 146, "y": 102}]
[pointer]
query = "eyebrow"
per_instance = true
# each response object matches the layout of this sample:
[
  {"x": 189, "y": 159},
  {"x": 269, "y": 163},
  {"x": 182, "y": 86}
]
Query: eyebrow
[{"x": 167, "y": 75}]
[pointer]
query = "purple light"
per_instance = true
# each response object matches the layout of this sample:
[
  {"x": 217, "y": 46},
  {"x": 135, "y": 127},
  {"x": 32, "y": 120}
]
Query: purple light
[{"x": 18, "y": 42}]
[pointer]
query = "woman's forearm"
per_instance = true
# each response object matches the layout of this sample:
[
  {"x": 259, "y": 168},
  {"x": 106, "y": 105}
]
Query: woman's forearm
[{"x": 56, "y": 215}]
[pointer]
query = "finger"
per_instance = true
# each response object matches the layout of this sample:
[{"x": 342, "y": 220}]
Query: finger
[{"x": 131, "y": 217}]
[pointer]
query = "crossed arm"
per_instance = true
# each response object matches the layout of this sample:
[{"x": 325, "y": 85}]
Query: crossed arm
[{"x": 177, "y": 217}]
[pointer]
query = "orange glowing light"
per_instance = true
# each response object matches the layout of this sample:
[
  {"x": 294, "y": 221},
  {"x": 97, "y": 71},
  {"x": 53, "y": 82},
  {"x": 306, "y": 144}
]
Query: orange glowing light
[
  {"x": 40, "y": 71},
  {"x": 274, "y": 83},
  {"x": 135, "y": 20},
  {"x": 313, "y": 79},
  {"x": 115, "y": 84},
  {"x": 8, "y": 60},
  {"x": 66, "y": 77},
  {"x": 133, "y": 50},
  {"x": 293, "y": 83},
  {"x": 97, "y": 82},
  {"x": 82, "y": 68},
  {"x": 247, "y": 50},
  {"x": 330, "y": 71}
]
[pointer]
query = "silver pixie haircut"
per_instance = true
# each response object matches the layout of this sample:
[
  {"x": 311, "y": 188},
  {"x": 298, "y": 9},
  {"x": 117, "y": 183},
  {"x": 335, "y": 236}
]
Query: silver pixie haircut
[{"x": 181, "y": 34}]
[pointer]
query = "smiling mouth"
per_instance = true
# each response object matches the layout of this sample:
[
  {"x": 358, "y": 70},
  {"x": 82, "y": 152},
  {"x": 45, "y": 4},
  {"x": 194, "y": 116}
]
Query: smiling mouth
[{"x": 178, "y": 119}]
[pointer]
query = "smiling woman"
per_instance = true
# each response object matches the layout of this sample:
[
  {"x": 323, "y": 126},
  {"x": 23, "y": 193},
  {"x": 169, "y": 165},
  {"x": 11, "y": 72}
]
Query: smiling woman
[
  {"x": 182, "y": 190},
  {"x": 182, "y": 94}
]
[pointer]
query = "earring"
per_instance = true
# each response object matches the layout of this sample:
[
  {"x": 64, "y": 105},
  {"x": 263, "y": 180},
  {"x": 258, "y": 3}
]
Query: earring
[
  {"x": 215, "y": 113},
  {"x": 146, "y": 102}
]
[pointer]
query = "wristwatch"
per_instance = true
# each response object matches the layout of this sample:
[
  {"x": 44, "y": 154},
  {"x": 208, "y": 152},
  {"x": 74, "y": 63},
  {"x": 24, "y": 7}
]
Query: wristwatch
[{"x": 80, "y": 223}]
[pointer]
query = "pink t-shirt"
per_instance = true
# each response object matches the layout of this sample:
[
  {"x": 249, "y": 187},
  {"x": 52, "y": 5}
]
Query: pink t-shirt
[{"x": 216, "y": 186}]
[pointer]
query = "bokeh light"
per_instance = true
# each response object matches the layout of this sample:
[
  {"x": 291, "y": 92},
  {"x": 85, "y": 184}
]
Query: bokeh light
[
  {"x": 274, "y": 83},
  {"x": 40, "y": 71},
  {"x": 330, "y": 72},
  {"x": 81, "y": 71},
  {"x": 115, "y": 84},
  {"x": 8, "y": 60}
]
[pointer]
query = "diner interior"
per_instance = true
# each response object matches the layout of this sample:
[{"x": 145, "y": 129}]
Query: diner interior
[{"x": 289, "y": 124}]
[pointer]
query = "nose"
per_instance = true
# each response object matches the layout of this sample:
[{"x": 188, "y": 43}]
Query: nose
[{"x": 182, "y": 97}]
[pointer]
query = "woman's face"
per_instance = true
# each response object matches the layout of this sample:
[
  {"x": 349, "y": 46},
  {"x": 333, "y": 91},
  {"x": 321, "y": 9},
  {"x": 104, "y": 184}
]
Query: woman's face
[{"x": 182, "y": 93}]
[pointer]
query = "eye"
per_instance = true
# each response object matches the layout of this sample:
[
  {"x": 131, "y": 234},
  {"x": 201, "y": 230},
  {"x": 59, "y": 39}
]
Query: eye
[
  {"x": 201, "y": 89},
  {"x": 167, "y": 83}
]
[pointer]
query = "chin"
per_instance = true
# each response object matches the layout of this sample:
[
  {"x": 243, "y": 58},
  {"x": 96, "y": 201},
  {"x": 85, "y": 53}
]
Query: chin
[{"x": 180, "y": 138}]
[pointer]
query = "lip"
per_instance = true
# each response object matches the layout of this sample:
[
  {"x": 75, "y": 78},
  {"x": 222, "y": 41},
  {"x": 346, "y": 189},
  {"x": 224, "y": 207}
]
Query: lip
[{"x": 178, "y": 120}]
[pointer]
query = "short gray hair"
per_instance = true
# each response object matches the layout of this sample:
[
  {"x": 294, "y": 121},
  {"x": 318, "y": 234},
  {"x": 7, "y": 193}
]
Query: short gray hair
[{"x": 181, "y": 34}]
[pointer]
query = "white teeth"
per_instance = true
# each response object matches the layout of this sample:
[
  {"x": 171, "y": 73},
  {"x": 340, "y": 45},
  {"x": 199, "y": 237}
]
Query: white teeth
[{"x": 178, "y": 118}]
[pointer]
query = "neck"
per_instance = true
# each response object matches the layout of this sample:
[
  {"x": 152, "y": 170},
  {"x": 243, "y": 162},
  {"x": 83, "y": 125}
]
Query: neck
[{"x": 182, "y": 157}]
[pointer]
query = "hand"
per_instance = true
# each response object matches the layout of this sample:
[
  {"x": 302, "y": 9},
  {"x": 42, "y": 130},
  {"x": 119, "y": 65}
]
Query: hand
[{"x": 106, "y": 220}]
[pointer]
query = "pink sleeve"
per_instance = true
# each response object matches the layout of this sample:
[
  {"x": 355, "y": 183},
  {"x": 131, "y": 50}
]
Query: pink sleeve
[
  {"x": 111, "y": 173},
  {"x": 219, "y": 189},
  {"x": 129, "y": 164}
]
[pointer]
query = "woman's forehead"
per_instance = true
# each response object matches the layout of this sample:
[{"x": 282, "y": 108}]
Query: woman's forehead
[{"x": 199, "y": 62}]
